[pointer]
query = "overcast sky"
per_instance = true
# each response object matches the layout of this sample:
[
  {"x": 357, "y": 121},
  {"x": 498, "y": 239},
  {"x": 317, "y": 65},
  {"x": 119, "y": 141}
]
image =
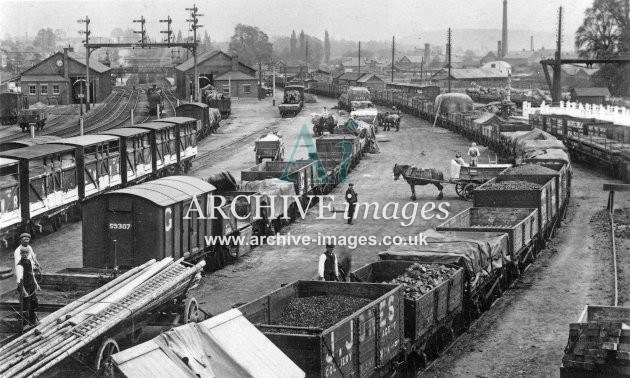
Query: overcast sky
[{"x": 347, "y": 19}]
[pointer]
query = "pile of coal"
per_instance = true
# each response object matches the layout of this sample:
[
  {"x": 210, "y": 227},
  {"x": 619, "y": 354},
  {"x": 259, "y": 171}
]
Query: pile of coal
[
  {"x": 419, "y": 279},
  {"x": 322, "y": 311},
  {"x": 530, "y": 169},
  {"x": 510, "y": 185}
]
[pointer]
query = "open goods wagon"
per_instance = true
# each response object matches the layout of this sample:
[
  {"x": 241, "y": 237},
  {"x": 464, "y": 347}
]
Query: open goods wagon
[
  {"x": 530, "y": 192},
  {"x": 223, "y": 104},
  {"x": 362, "y": 343},
  {"x": 521, "y": 226},
  {"x": 90, "y": 327},
  {"x": 269, "y": 147},
  {"x": 32, "y": 117},
  {"x": 345, "y": 148},
  {"x": 302, "y": 174},
  {"x": 11, "y": 104},
  {"x": 425, "y": 314},
  {"x": 203, "y": 113}
]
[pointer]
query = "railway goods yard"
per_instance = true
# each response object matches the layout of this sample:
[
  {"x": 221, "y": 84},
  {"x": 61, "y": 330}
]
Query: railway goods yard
[{"x": 159, "y": 228}]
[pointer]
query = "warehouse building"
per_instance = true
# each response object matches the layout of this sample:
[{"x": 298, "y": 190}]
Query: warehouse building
[
  {"x": 60, "y": 79},
  {"x": 597, "y": 96},
  {"x": 217, "y": 68}
]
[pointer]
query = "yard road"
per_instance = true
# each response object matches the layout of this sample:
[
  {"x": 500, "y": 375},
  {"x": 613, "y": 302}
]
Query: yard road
[{"x": 523, "y": 334}]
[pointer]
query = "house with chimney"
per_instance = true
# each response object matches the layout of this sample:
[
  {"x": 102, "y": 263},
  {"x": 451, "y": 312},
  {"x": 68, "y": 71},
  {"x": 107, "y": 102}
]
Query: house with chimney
[{"x": 219, "y": 69}]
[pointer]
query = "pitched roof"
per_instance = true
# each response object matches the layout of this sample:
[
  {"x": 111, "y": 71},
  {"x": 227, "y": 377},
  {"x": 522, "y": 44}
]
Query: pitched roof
[
  {"x": 592, "y": 92},
  {"x": 349, "y": 76},
  {"x": 190, "y": 63},
  {"x": 235, "y": 75},
  {"x": 94, "y": 63},
  {"x": 367, "y": 76},
  {"x": 413, "y": 58},
  {"x": 37, "y": 78},
  {"x": 519, "y": 55},
  {"x": 474, "y": 73}
]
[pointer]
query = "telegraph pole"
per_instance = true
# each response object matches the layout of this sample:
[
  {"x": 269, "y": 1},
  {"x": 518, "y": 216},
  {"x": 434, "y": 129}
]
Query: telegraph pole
[
  {"x": 195, "y": 20},
  {"x": 306, "y": 60},
  {"x": 448, "y": 52},
  {"x": 168, "y": 30},
  {"x": 556, "y": 90},
  {"x": 359, "y": 59},
  {"x": 86, "y": 21},
  {"x": 393, "y": 44}
]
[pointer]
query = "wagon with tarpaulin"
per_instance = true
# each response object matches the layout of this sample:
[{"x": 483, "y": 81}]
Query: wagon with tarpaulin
[{"x": 270, "y": 146}]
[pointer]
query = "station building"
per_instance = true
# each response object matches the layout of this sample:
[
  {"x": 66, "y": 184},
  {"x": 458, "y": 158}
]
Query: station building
[
  {"x": 219, "y": 69},
  {"x": 60, "y": 80}
]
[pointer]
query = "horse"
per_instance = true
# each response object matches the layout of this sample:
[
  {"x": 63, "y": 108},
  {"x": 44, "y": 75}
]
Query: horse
[
  {"x": 419, "y": 176},
  {"x": 323, "y": 123},
  {"x": 388, "y": 119}
]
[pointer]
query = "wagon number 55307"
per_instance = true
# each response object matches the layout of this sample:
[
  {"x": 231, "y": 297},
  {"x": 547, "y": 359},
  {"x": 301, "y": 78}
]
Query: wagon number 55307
[{"x": 120, "y": 226}]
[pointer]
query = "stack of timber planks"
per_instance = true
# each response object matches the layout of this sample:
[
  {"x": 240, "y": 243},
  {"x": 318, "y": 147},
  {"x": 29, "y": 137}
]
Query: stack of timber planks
[{"x": 64, "y": 332}]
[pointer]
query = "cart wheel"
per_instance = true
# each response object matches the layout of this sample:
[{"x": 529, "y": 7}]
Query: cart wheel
[
  {"x": 468, "y": 191},
  {"x": 191, "y": 310},
  {"x": 459, "y": 189},
  {"x": 108, "y": 348}
]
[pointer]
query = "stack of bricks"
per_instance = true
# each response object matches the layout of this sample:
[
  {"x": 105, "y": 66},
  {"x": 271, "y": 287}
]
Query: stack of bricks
[{"x": 597, "y": 345}]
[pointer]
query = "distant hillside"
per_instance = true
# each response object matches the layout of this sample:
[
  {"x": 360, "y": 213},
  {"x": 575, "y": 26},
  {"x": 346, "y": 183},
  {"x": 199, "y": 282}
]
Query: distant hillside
[{"x": 484, "y": 40}]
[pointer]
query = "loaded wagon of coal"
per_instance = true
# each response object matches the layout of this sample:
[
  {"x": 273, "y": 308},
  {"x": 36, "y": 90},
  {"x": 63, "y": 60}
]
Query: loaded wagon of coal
[
  {"x": 433, "y": 296},
  {"x": 333, "y": 329},
  {"x": 270, "y": 146},
  {"x": 302, "y": 174}
]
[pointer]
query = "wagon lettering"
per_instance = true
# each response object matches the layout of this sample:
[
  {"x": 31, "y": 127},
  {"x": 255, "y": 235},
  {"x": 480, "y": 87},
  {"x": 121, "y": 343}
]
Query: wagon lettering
[
  {"x": 168, "y": 216},
  {"x": 366, "y": 328}
]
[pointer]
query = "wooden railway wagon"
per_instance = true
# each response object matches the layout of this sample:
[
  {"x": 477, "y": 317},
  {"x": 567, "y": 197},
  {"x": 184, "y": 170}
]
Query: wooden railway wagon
[
  {"x": 223, "y": 104},
  {"x": 26, "y": 142},
  {"x": 345, "y": 148},
  {"x": 49, "y": 171},
  {"x": 363, "y": 344},
  {"x": 544, "y": 198},
  {"x": 10, "y": 214},
  {"x": 129, "y": 226},
  {"x": 521, "y": 226},
  {"x": 98, "y": 163},
  {"x": 186, "y": 133},
  {"x": 200, "y": 112},
  {"x": 32, "y": 117},
  {"x": 302, "y": 174},
  {"x": 483, "y": 255},
  {"x": 135, "y": 151},
  {"x": 11, "y": 104},
  {"x": 433, "y": 312}
]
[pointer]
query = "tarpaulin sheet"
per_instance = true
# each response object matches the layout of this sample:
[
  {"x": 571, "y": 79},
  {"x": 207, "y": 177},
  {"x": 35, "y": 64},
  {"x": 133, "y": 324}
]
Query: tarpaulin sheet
[
  {"x": 226, "y": 345},
  {"x": 526, "y": 146},
  {"x": 273, "y": 188},
  {"x": 352, "y": 126},
  {"x": 535, "y": 134},
  {"x": 480, "y": 253},
  {"x": 486, "y": 119},
  {"x": 552, "y": 154}
]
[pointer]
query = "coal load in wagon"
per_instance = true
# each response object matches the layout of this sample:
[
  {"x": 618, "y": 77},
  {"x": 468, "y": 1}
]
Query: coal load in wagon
[
  {"x": 510, "y": 185},
  {"x": 419, "y": 279},
  {"x": 530, "y": 169},
  {"x": 321, "y": 311}
]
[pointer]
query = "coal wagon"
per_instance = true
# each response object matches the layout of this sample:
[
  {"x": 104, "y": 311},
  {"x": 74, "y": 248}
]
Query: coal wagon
[
  {"x": 293, "y": 100},
  {"x": 32, "y": 118},
  {"x": 362, "y": 341}
]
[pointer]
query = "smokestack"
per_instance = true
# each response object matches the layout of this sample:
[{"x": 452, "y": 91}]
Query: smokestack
[
  {"x": 499, "y": 52},
  {"x": 427, "y": 54},
  {"x": 504, "y": 36},
  {"x": 234, "y": 62},
  {"x": 531, "y": 43}
]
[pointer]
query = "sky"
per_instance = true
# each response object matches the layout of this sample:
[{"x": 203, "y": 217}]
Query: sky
[{"x": 347, "y": 19}]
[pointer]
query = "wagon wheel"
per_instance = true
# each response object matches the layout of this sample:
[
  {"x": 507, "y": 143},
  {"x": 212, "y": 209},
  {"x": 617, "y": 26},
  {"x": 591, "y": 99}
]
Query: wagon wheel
[
  {"x": 191, "y": 310},
  {"x": 459, "y": 188},
  {"x": 108, "y": 348},
  {"x": 468, "y": 191}
]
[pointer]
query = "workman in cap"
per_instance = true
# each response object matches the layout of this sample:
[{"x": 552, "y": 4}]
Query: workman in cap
[
  {"x": 27, "y": 285},
  {"x": 328, "y": 269},
  {"x": 474, "y": 153},
  {"x": 351, "y": 198},
  {"x": 25, "y": 240}
]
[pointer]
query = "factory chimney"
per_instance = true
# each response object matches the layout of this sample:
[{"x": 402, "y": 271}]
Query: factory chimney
[
  {"x": 504, "y": 36},
  {"x": 531, "y": 43},
  {"x": 427, "y": 54},
  {"x": 499, "y": 50}
]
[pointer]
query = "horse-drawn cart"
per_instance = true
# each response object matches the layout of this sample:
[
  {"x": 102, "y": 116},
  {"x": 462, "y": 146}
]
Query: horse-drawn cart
[
  {"x": 464, "y": 177},
  {"x": 269, "y": 146}
]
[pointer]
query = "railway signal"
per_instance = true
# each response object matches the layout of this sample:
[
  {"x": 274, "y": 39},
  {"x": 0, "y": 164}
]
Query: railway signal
[
  {"x": 142, "y": 31},
  {"x": 87, "y": 33},
  {"x": 194, "y": 20},
  {"x": 168, "y": 31}
]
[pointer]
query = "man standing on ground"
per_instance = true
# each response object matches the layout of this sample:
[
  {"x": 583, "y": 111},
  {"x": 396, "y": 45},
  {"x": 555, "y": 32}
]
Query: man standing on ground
[
  {"x": 351, "y": 198},
  {"x": 473, "y": 152},
  {"x": 27, "y": 285},
  {"x": 328, "y": 269}
]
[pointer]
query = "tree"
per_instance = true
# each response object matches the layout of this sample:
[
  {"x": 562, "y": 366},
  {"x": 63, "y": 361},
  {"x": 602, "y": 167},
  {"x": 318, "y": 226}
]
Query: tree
[
  {"x": 293, "y": 45},
  {"x": 302, "y": 51},
  {"x": 117, "y": 34},
  {"x": 326, "y": 48},
  {"x": 250, "y": 44},
  {"x": 605, "y": 33},
  {"x": 179, "y": 39},
  {"x": 46, "y": 40}
]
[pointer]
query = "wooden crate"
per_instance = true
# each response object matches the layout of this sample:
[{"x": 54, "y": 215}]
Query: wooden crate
[
  {"x": 539, "y": 199},
  {"x": 356, "y": 346},
  {"x": 520, "y": 224},
  {"x": 426, "y": 314}
]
